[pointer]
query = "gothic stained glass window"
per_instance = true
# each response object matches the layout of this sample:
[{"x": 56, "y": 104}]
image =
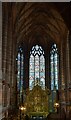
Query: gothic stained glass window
[
  {"x": 20, "y": 68},
  {"x": 37, "y": 66},
  {"x": 54, "y": 66},
  {"x": 54, "y": 71}
]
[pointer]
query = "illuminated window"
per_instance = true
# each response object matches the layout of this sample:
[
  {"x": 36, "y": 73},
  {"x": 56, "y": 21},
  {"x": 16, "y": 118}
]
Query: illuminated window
[
  {"x": 20, "y": 74},
  {"x": 54, "y": 66},
  {"x": 37, "y": 67},
  {"x": 54, "y": 71}
]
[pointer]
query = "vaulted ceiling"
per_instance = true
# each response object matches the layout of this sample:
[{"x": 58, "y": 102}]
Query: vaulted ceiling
[
  {"x": 64, "y": 8},
  {"x": 39, "y": 22}
]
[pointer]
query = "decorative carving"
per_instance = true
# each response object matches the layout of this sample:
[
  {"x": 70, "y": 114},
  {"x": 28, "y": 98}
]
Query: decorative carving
[{"x": 36, "y": 102}]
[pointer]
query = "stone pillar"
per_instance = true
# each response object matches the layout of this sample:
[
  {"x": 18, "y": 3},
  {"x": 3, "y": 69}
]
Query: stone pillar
[
  {"x": 14, "y": 77},
  {"x": 68, "y": 60},
  {"x": 70, "y": 51},
  {"x": 70, "y": 65},
  {"x": 68, "y": 82},
  {"x": 8, "y": 61},
  {"x": 4, "y": 51},
  {"x": 62, "y": 77},
  {"x": 0, "y": 60},
  {"x": 66, "y": 69},
  {"x": 9, "y": 58}
]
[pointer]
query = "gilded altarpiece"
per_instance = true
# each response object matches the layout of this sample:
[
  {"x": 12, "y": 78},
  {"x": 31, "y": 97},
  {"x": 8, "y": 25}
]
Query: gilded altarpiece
[{"x": 37, "y": 102}]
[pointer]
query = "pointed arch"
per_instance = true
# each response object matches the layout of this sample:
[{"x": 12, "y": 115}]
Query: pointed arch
[
  {"x": 54, "y": 66},
  {"x": 20, "y": 72},
  {"x": 36, "y": 66}
]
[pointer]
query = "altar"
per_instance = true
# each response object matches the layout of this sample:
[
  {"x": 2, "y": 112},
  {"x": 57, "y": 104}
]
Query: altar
[{"x": 36, "y": 102}]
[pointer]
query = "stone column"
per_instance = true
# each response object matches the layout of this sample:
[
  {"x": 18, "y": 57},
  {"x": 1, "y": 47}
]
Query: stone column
[
  {"x": 62, "y": 77},
  {"x": 0, "y": 60},
  {"x": 68, "y": 60},
  {"x": 14, "y": 77},
  {"x": 9, "y": 58},
  {"x": 68, "y": 82},
  {"x": 4, "y": 51},
  {"x": 70, "y": 65},
  {"x": 66, "y": 69}
]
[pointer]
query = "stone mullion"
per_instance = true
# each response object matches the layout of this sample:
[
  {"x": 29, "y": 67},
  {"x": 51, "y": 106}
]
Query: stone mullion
[
  {"x": 26, "y": 70},
  {"x": 47, "y": 69},
  {"x": 4, "y": 51},
  {"x": 26, "y": 66}
]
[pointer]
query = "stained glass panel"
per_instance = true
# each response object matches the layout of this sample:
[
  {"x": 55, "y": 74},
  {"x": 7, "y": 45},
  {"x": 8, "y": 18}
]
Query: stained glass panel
[
  {"x": 20, "y": 65},
  {"x": 54, "y": 69},
  {"x": 54, "y": 66},
  {"x": 36, "y": 66}
]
